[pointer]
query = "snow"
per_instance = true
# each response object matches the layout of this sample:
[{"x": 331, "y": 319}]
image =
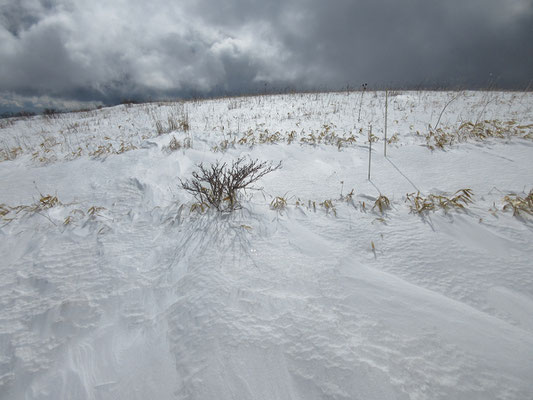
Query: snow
[{"x": 137, "y": 297}]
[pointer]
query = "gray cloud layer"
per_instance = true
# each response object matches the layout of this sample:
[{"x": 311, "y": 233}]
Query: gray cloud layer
[{"x": 109, "y": 50}]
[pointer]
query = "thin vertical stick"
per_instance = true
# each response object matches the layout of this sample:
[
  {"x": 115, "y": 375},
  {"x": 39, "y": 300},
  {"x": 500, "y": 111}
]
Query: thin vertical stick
[
  {"x": 386, "y": 109},
  {"x": 364, "y": 86},
  {"x": 369, "y": 150}
]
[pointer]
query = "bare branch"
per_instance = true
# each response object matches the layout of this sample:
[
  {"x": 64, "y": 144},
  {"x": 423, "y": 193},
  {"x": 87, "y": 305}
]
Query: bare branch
[{"x": 218, "y": 185}]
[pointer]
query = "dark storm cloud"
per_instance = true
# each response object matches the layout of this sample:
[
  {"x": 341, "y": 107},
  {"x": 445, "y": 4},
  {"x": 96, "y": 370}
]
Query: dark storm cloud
[
  {"x": 107, "y": 51},
  {"x": 419, "y": 42}
]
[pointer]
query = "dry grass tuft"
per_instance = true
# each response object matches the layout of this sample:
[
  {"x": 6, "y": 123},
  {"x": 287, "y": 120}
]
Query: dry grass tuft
[
  {"x": 124, "y": 147},
  {"x": 421, "y": 205},
  {"x": 175, "y": 145},
  {"x": 393, "y": 139},
  {"x": 176, "y": 121},
  {"x": 102, "y": 150},
  {"x": 199, "y": 207},
  {"x": 278, "y": 204},
  {"x": 329, "y": 206},
  {"x": 326, "y": 136},
  {"x": 74, "y": 215},
  {"x": 382, "y": 203},
  {"x": 9, "y": 154},
  {"x": 4, "y": 210},
  {"x": 518, "y": 204},
  {"x": 348, "y": 198},
  {"x": 48, "y": 201},
  {"x": 440, "y": 139},
  {"x": 94, "y": 211},
  {"x": 45, "y": 202}
]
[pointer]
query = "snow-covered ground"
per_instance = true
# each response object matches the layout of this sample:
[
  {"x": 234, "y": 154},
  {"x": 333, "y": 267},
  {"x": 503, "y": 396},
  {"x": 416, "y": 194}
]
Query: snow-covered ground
[{"x": 112, "y": 288}]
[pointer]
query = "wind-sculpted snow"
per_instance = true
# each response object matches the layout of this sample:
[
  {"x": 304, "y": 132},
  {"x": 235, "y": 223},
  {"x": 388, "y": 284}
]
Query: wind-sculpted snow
[{"x": 119, "y": 291}]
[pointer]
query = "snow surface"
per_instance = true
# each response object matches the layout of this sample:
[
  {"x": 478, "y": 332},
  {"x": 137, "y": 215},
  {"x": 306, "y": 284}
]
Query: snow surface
[{"x": 137, "y": 297}]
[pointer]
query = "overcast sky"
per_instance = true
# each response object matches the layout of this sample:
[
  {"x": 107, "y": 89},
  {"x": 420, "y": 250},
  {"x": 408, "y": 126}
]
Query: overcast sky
[{"x": 59, "y": 53}]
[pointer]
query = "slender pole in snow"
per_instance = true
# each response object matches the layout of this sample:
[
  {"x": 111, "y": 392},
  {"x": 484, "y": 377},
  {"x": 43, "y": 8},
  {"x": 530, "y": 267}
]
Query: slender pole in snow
[
  {"x": 386, "y": 109},
  {"x": 369, "y": 150},
  {"x": 364, "y": 86}
]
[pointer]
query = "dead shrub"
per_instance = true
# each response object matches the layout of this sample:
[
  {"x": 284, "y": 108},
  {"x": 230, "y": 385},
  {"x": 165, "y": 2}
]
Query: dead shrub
[{"x": 218, "y": 185}]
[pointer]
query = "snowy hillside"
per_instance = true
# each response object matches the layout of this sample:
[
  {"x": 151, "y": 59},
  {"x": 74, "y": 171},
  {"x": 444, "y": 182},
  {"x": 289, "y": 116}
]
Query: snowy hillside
[{"x": 113, "y": 285}]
